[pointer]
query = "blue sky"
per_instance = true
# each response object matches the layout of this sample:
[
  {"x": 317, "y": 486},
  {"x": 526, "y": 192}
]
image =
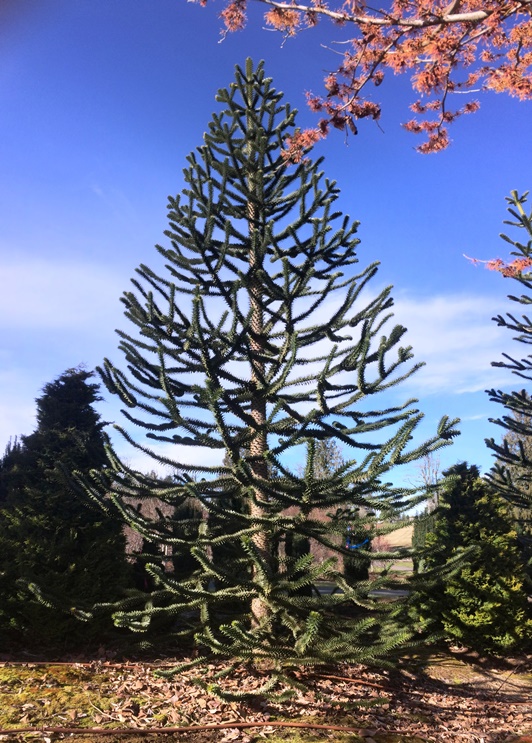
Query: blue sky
[{"x": 100, "y": 104}]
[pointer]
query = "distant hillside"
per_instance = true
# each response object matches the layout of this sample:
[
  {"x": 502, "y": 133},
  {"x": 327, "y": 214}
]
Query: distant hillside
[{"x": 400, "y": 537}]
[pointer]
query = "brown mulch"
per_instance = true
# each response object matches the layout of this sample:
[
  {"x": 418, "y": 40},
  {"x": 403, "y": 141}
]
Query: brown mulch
[{"x": 451, "y": 698}]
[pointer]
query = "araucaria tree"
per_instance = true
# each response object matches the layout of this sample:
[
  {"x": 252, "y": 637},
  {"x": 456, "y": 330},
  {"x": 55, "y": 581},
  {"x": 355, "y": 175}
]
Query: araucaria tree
[
  {"x": 512, "y": 473},
  {"x": 258, "y": 342}
]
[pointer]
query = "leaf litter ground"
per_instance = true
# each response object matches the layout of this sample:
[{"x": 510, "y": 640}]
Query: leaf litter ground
[{"x": 446, "y": 697}]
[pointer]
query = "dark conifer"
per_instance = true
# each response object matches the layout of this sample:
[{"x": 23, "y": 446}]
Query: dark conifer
[{"x": 51, "y": 540}]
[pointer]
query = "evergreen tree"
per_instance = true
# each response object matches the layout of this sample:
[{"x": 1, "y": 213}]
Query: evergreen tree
[
  {"x": 49, "y": 539},
  {"x": 520, "y": 445},
  {"x": 512, "y": 472},
  {"x": 424, "y": 524},
  {"x": 482, "y": 602},
  {"x": 327, "y": 458},
  {"x": 256, "y": 343},
  {"x": 10, "y": 469}
]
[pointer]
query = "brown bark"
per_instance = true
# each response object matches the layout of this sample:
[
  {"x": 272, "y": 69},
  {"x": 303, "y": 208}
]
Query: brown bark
[{"x": 259, "y": 443}]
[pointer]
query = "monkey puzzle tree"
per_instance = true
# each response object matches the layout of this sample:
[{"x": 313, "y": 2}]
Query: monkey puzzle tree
[
  {"x": 258, "y": 342},
  {"x": 512, "y": 473}
]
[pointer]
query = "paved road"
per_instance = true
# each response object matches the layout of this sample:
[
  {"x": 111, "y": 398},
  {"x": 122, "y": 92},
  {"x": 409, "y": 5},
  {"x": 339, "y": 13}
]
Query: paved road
[{"x": 327, "y": 588}]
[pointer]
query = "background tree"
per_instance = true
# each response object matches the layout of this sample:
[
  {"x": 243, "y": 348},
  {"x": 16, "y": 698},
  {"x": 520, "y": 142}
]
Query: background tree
[
  {"x": 10, "y": 469},
  {"x": 254, "y": 343},
  {"x": 48, "y": 536},
  {"x": 424, "y": 524},
  {"x": 327, "y": 458},
  {"x": 358, "y": 532},
  {"x": 462, "y": 46},
  {"x": 428, "y": 478},
  {"x": 482, "y": 603}
]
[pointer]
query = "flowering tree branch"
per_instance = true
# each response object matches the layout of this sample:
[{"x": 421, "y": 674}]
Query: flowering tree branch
[
  {"x": 465, "y": 46},
  {"x": 385, "y": 18},
  {"x": 519, "y": 267}
]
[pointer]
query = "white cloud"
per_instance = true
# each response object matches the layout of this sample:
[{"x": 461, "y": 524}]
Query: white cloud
[
  {"x": 52, "y": 316},
  {"x": 95, "y": 188},
  {"x": 117, "y": 203},
  {"x": 41, "y": 295},
  {"x": 456, "y": 338},
  {"x": 453, "y": 334},
  {"x": 141, "y": 462}
]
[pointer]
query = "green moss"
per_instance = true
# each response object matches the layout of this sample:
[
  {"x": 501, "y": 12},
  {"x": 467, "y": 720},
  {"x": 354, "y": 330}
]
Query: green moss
[
  {"x": 31, "y": 696},
  {"x": 309, "y": 736}
]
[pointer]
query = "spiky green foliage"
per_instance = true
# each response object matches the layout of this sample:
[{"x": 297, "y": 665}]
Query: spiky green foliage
[
  {"x": 358, "y": 532},
  {"x": 512, "y": 473},
  {"x": 423, "y": 525},
  {"x": 260, "y": 341},
  {"x": 481, "y": 601},
  {"x": 50, "y": 541},
  {"x": 516, "y": 477}
]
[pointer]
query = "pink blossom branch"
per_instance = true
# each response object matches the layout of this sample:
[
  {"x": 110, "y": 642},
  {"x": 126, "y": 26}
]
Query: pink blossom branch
[{"x": 391, "y": 21}]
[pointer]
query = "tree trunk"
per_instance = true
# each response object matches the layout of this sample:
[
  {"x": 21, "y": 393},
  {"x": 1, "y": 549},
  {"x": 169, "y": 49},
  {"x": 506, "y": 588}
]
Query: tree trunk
[{"x": 258, "y": 444}]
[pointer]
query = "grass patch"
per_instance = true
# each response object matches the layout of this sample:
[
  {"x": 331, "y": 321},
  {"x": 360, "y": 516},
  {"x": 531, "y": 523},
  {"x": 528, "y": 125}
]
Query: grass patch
[{"x": 49, "y": 695}]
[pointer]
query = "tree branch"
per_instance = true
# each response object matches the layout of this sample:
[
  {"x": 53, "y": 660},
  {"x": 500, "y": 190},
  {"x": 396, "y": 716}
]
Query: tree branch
[{"x": 447, "y": 18}]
